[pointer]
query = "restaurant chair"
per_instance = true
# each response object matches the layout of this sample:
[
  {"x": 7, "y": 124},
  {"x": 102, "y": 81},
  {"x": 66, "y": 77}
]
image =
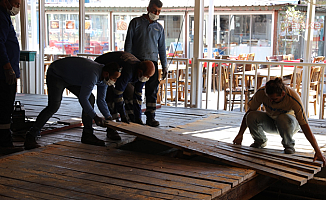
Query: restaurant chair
[
  {"x": 236, "y": 90},
  {"x": 324, "y": 105},
  {"x": 318, "y": 59}
]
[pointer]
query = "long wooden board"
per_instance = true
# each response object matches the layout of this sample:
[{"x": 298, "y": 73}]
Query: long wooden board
[
  {"x": 292, "y": 168},
  {"x": 80, "y": 171}
]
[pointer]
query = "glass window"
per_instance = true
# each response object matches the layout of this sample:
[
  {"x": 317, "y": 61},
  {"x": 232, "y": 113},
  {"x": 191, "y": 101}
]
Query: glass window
[{"x": 261, "y": 30}]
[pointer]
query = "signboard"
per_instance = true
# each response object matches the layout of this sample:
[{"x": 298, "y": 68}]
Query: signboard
[
  {"x": 70, "y": 25},
  {"x": 88, "y": 26},
  {"x": 54, "y": 26}
]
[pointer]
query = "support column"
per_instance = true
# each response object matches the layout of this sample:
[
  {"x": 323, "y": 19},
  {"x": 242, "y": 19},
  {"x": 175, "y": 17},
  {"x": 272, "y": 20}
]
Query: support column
[
  {"x": 196, "y": 71},
  {"x": 307, "y": 55}
]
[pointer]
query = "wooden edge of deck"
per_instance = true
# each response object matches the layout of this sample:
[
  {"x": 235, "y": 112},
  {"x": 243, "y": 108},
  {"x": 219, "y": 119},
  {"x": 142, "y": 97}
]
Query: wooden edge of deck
[{"x": 248, "y": 188}]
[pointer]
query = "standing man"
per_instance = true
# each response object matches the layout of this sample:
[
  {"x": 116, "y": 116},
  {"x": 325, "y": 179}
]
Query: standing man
[
  {"x": 284, "y": 115},
  {"x": 9, "y": 72},
  {"x": 79, "y": 75},
  {"x": 129, "y": 85},
  {"x": 146, "y": 40}
]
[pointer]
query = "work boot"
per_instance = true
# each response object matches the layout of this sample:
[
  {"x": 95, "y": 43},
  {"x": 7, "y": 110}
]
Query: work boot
[
  {"x": 112, "y": 134},
  {"x": 258, "y": 145},
  {"x": 89, "y": 138},
  {"x": 30, "y": 142},
  {"x": 6, "y": 145},
  {"x": 152, "y": 122},
  {"x": 289, "y": 150},
  {"x": 139, "y": 121}
]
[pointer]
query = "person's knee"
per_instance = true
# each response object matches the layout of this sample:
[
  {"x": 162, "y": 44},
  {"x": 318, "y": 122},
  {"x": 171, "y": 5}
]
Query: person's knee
[{"x": 285, "y": 122}]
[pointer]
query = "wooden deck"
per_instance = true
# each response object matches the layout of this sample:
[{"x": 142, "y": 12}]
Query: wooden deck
[
  {"x": 63, "y": 155},
  {"x": 79, "y": 171}
]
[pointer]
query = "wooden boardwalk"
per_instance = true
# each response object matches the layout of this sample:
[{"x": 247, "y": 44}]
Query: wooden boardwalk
[
  {"x": 201, "y": 125},
  {"x": 79, "y": 171}
]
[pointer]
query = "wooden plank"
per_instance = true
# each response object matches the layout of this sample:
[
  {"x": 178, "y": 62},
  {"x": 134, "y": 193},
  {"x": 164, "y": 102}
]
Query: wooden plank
[
  {"x": 70, "y": 183},
  {"x": 180, "y": 166},
  {"x": 194, "y": 186},
  {"x": 218, "y": 175},
  {"x": 49, "y": 166},
  {"x": 39, "y": 191},
  {"x": 186, "y": 142},
  {"x": 249, "y": 188}
]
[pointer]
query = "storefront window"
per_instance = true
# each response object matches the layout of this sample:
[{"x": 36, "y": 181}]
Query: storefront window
[{"x": 318, "y": 37}]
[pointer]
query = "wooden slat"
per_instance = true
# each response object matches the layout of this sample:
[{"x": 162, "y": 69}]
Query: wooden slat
[
  {"x": 84, "y": 171},
  {"x": 271, "y": 166}
]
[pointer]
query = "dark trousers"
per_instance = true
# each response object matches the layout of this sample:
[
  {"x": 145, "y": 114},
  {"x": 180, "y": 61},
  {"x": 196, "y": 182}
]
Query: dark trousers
[
  {"x": 7, "y": 99},
  {"x": 56, "y": 87},
  {"x": 128, "y": 101},
  {"x": 151, "y": 89}
]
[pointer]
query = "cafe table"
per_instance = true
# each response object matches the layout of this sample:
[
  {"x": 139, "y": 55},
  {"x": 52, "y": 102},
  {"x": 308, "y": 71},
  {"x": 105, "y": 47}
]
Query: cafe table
[{"x": 263, "y": 73}]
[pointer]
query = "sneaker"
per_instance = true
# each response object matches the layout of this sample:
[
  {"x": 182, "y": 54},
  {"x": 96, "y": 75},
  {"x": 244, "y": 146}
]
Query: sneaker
[
  {"x": 139, "y": 121},
  {"x": 258, "y": 145},
  {"x": 289, "y": 150},
  {"x": 152, "y": 122},
  {"x": 30, "y": 142},
  {"x": 90, "y": 138},
  {"x": 112, "y": 134}
]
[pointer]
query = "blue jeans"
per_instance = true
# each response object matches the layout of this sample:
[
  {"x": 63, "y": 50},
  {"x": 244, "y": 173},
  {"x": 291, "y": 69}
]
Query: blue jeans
[
  {"x": 259, "y": 122},
  {"x": 56, "y": 87}
]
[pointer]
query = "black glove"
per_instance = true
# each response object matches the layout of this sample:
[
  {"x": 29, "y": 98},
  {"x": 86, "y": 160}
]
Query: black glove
[
  {"x": 164, "y": 72},
  {"x": 99, "y": 120},
  {"x": 124, "y": 118},
  {"x": 10, "y": 76},
  {"x": 109, "y": 118}
]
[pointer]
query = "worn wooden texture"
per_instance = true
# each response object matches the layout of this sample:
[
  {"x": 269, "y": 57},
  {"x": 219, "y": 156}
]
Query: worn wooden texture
[
  {"x": 79, "y": 171},
  {"x": 293, "y": 169}
]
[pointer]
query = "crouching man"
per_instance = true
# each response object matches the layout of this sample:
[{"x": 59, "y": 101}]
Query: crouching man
[{"x": 284, "y": 115}]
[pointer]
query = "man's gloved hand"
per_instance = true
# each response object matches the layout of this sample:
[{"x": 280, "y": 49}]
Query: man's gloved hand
[
  {"x": 99, "y": 121},
  {"x": 10, "y": 76},
  {"x": 109, "y": 118},
  {"x": 164, "y": 72},
  {"x": 124, "y": 118}
]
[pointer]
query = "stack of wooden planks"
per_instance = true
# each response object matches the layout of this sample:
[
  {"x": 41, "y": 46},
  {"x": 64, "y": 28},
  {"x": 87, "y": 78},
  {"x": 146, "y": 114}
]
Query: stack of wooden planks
[{"x": 295, "y": 168}]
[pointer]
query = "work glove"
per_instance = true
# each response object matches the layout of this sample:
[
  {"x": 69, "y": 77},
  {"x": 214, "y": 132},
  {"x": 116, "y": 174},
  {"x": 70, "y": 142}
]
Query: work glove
[
  {"x": 99, "y": 121},
  {"x": 109, "y": 118},
  {"x": 164, "y": 72},
  {"x": 124, "y": 118},
  {"x": 10, "y": 76}
]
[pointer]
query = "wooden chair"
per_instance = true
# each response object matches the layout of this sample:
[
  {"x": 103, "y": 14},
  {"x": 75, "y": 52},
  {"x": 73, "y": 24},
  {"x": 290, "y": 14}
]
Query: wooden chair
[
  {"x": 236, "y": 90},
  {"x": 318, "y": 59},
  {"x": 314, "y": 86},
  {"x": 324, "y": 105}
]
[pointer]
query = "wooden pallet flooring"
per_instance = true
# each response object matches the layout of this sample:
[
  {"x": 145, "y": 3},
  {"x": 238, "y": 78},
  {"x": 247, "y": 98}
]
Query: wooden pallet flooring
[{"x": 78, "y": 171}]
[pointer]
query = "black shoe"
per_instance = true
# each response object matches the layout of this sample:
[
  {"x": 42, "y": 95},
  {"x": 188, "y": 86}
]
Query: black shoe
[
  {"x": 90, "y": 138},
  {"x": 289, "y": 150},
  {"x": 112, "y": 134},
  {"x": 30, "y": 142},
  {"x": 258, "y": 145},
  {"x": 10, "y": 150},
  {"x": 139, "y": 121},
  {"x": 152, "y": 122}
]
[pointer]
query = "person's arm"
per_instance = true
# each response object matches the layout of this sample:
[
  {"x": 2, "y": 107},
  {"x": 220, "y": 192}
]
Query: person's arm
[
  {"x": 238, "y": 139},
  {"x": 101, "y": 103},
  {"x": 130, "y": 33},
  {"x": 162, "y": 53},
  {"x": 311, "y": 138}
]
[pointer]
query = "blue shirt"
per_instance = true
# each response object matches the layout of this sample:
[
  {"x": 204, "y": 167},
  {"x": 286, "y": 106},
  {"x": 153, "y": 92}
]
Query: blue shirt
[
  {"x": 146, "y": 40},
  {"x": 85, "y": 73},
  {"x": 9, "y": 46}
]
